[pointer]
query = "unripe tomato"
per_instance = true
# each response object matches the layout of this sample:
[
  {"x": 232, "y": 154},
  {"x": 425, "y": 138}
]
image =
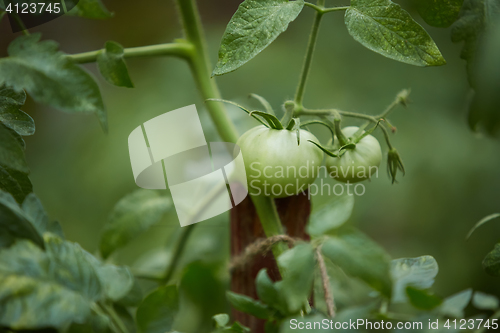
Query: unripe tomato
[
  {"x": 275, "y": 164},
  {"x": 356, "y": 164}
]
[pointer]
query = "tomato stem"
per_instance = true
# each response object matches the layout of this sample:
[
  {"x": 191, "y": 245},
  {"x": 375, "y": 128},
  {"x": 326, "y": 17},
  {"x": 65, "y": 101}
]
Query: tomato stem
[
  {"x": 181, "y": 49},
  {"x": 299, "y": 94}
]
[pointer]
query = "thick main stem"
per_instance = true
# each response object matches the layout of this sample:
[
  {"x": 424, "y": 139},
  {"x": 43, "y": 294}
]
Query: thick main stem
[{"x": 299, "y": 94}]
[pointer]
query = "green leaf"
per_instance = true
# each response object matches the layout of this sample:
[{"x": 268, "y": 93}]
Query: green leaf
[
  {"x": 455, "y": 305},
  {"x": 45, "y": 289},
  {"x": 248, "y": 305},
  {"x": 481, "y": 222},
  {"x": 74, "y": 267},
  {"x": 16, "y": 183},
  {"x": 11, "y": 150},
  {"x": 133, "y": 297},
  {"x": 221, "y": 320},
  {"x": 156, "y": 314},
  {"x": 92, "y": 9},
  {"x": 331, "y": 215},
  {"x": 384, "y": 27},
  {"x": 112, "y": 65},
  {"x": 116, "y": 281},
  {"x": 268, "y": 292},
  {"x": 439, "y": 13},
  {"x": 298, "y": 264},
  {"x": 422, "y": 299},
  {"x": 255, "y": 25},
  {"x": 417, "y": 272},
  {"x": 35, "y": 213},
  {"x": 13, "y": 221},
  {"x": 484, "y": 301},
  {"x": 491, "y": 263},
  {"x": 50, "y": 77},
  {"x": 360, "y": 257},
  {"x": 10, "y": 114},
  {"x": 131, "y": 216}
]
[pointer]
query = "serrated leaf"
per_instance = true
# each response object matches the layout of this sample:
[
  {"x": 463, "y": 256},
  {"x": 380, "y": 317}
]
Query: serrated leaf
[
  {"x": 45, "y": 289},
  {"x": 157, "y": 312},
  {"x": 13, "y": 221},
  {"x": 331, "y": 215},
  {"x": 491, "y": 263},
  {"x": 16, "y": 183},
  {"x": 384, "y": 27},
  {"x": 131, "y": 216},
  {"x": 255, "y": 25},
  {"x": 73, "y": 267},
  {"x": 417, "y": 272},
  {"x": 439, "y": 13},
  {"x": 35, "y": 213},
  {"x": 361, "y": 257},
  {"x": 298, "y": 264},
  {"x": 12, "y": 151},
  {"x": 93, "y": 9},
  {"x": 112, "y": 65},
  {"x": 422, "y": 299},
  {"x": 50, "y": 77},
  {"x": 10, "y": 114},
  {"x": 248, "y": 305},
  {"x": 484, "y": 301},
  {"x": 455, "y": 305}
]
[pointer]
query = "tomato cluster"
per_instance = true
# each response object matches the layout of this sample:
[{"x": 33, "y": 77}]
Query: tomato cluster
[{"x": 281, "y": 162}]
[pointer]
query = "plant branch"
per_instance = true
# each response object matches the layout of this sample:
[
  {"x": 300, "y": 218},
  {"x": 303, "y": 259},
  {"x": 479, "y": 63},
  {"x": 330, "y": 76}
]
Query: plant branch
[
  {"x": 114, "y": 316},
  {"x": 330, "y": 305},
  {"x": 179, "y": 49},
  {"x": 299, "y": 94},
  {"x": 329, "y": 112},
  {"x": 324, "y": 10}
]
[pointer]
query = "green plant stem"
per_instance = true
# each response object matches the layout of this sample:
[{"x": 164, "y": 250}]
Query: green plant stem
[
  {"x": 181, "y": 244},
  {"x": 180, "y": 49},
  {"x": 270, "y": 220},
  {"x": 21, "y": 25},
  {"x": 329, "y": 112},
  {"x": 299, "y": 94},
  {"x": 323, "y": 10},
  {"x": 200, "y": 67},
  {"x": 114, "y": 316}
]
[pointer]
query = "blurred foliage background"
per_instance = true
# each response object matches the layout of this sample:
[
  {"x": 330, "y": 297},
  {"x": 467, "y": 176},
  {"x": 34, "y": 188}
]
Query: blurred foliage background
[{"x": 452, "y": 178}]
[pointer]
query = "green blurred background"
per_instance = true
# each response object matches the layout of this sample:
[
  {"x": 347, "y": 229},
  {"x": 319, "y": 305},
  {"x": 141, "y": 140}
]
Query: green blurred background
[{"x": 452, "y": 178}]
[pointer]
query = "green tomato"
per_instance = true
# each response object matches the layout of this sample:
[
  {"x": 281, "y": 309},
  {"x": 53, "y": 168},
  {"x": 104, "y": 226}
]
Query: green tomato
[
  {"x": 275, "y": 164},
  {"x": 355, "y": 164}
]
